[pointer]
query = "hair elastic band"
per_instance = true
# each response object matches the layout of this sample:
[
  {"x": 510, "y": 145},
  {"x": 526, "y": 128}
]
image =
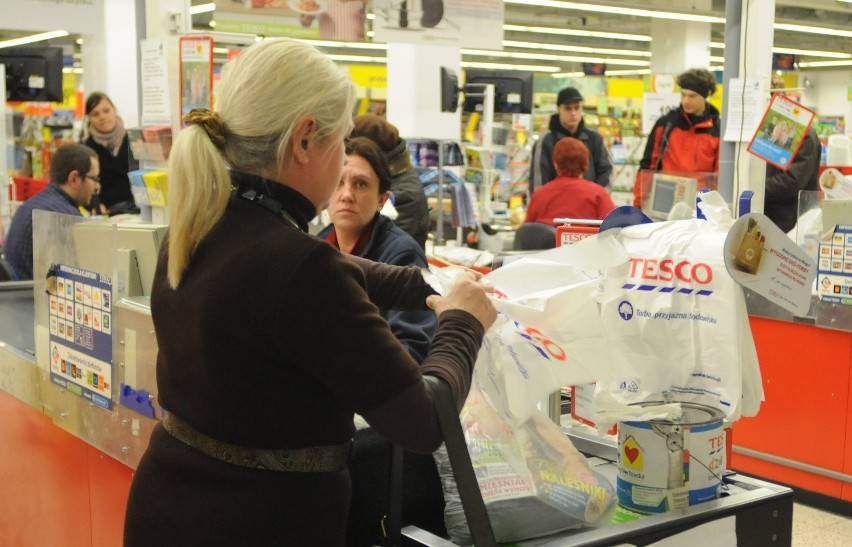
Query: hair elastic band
[{"x": 211, "y": 122}]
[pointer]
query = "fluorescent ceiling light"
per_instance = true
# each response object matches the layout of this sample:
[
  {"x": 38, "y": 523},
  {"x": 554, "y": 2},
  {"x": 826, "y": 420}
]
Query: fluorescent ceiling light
[
  {"x": 33, "y": 38},
  {"x": 501, "y": 66},
  {"x": 583, "y": 33},
  {"x": 819, "y": 64},
  {"x": 202, "y": 8},
  {"x": 620, "y": 10},
  {"x": 813, "y": 53},
  {"x": 628, "y": 72},
  {"x": 357, "y": 59},
  {"x": 653, "y": 14},
  {"x": 793, "y": 51},
  {"x": 549, "y": 57},
  {"x": 813, "y": 30},
  {"x": 576, "y": 49},
  {"x": 348, "y": 45}
]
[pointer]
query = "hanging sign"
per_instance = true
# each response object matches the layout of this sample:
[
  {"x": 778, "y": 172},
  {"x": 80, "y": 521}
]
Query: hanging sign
[
  {"x": 781, "y": 132},
  {"x": 196, "y": 73}
]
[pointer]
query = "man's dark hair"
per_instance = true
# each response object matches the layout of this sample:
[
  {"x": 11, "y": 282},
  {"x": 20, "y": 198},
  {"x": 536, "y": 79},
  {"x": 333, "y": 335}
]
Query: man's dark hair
[
  {"x": 699, "y": 80},
  {"x": 70, "y": 157},
  {"x": 370, "y": 151}
]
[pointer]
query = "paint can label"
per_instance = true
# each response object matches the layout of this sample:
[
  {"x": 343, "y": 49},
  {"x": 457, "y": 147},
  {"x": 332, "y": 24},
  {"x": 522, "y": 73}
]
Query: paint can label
[{"x": 663, "y": 465}]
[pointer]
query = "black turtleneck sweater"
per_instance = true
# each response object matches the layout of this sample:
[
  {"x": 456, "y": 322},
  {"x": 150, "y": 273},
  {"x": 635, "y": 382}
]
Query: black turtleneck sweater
[{"x": 273, "y": 340}]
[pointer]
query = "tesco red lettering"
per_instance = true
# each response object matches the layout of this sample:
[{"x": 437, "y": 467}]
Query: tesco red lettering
[{"x": 669, "y": 270}]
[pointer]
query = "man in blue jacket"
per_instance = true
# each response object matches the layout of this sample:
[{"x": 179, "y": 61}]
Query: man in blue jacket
[{"x": 74, "y": 172}]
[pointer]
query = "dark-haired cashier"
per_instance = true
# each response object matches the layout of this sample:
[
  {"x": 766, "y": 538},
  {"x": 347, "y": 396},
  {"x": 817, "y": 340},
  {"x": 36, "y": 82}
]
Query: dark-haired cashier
[{"x": 358, "y": 229}]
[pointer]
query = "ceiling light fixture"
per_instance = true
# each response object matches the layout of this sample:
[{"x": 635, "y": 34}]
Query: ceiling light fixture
[
  {"x": 202, "y": 8},
  {"x": 501, "y": 66},
  {"x": 348, "y": 45},
  {"x": 357, "y": 58},
  {"x": 793, "y": 51},
  {"x": 581, "y": 33},
  {"x": 549, "y": 57},
  {"x": 637, "y": 72},
  {"x": 620, "y": 10},
  {"x": 821, "y": 64},
  {"x": 813, "y": 30},
  {"x": 40, "y": 37},
  {"x": 576, "y": 49},
  {"x": 707, "y": 18}
]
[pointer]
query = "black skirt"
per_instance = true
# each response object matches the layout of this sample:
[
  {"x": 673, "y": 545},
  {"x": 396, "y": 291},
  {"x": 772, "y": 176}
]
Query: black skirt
[{"x": 180, "y": 496}]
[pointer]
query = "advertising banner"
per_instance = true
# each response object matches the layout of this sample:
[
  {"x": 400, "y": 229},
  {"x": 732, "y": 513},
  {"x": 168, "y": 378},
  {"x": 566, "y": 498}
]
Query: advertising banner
[
  {"x": 781, "y": 132},
  {"x": 466, "y": 23}
]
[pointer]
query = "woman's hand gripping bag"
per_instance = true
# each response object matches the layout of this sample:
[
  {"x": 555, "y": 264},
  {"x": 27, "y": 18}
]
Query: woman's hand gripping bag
[
  {"x": 680, "y": 320},
  {"x": 523, "y": 472}
]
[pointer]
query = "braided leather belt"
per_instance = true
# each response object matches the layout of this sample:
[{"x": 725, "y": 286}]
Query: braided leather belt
[{"x": 313, "y": 459}]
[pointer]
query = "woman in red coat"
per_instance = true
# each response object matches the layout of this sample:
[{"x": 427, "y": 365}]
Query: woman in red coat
[{"x": 569, "y": 195}]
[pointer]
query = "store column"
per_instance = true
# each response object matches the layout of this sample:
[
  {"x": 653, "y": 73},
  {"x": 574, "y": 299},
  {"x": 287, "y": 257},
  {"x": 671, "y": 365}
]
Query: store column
[
  {"x": 110, "y": 57},
  {"x": 756, "y": 38},
  {"x": 414, "y": 90},
  {"x": 678, "y": 45}
]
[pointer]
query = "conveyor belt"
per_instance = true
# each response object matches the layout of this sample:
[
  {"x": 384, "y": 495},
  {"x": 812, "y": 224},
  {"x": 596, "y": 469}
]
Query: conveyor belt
[{"x": 17, "y": 315}]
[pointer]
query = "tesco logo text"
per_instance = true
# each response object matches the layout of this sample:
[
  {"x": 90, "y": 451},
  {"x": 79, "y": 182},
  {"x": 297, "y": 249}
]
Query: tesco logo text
[{"x": 668, "y": 270}]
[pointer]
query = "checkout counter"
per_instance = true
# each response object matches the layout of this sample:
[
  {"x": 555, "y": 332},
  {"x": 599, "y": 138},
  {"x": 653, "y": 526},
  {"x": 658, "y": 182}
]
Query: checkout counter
[
  {"x": 71, "y": 442},
  {"x": 802, "y": 435}
]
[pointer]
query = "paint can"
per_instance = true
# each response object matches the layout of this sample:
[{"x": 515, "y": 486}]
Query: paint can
[{"x": 673, "y": 463}]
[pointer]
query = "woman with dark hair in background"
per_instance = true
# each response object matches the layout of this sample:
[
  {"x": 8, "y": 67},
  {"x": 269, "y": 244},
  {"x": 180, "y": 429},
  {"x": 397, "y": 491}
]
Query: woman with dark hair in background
[
  {"x": 357, "y": 228},
  {"x": 408, "y": 197},
  {"x": 108, "y": 138}
]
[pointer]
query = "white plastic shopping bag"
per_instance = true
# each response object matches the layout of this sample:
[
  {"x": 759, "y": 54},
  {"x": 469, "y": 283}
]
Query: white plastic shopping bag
[{"x": 531, "y": 469}]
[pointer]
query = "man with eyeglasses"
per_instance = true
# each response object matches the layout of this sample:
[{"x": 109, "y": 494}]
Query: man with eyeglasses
[{"x": 74, "y": 172}]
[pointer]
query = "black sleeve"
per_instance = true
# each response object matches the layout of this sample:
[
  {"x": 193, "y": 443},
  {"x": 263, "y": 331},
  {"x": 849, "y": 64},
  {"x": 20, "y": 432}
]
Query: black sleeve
[
  {"x": 645, "y": 162},
  {"x": 603, "y": 166},
  {"x": 548, "y": 171},
  {"x": 802, "y": 174}
]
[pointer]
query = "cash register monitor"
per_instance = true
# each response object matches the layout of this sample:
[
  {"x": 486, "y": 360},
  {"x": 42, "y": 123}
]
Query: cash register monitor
[
  {"x": 666, "y": 190},
  {"x": 95, "y": 247}
]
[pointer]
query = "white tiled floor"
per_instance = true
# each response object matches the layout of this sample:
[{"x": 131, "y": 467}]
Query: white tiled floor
[{"x": 816, "y": 528}]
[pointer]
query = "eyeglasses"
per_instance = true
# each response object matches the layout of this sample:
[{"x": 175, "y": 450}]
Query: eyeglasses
[{"x": 96, "y": 179}]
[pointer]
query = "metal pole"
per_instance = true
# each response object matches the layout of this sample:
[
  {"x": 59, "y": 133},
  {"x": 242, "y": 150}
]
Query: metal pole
[
  {"x": 439, "y": 230},
  {"x": 728, "y": 149}
]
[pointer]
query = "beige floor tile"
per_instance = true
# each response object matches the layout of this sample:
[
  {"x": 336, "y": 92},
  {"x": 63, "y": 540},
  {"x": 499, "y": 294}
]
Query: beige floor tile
[{"x": 816, "y": 528}]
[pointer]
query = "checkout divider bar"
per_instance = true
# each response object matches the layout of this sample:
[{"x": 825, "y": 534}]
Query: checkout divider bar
[{"x": 786, "y": 462}]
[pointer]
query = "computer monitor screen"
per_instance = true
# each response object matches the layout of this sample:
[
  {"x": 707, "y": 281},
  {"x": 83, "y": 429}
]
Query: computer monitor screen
[
  {"x": 513, "y": 90},
  {"x": 96, "y": 245},
  {"x": 666, "y": 190},
  {"x": 449, "y": 90},
  {"x": 33, "y": 73}
]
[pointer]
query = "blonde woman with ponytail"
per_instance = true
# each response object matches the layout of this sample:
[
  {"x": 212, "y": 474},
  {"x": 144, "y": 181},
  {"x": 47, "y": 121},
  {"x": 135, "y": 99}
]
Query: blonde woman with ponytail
[{"x": 271, "y": 339}]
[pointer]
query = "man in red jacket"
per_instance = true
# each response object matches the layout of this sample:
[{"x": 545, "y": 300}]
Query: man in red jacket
[{"x": 686, "y": 140}]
